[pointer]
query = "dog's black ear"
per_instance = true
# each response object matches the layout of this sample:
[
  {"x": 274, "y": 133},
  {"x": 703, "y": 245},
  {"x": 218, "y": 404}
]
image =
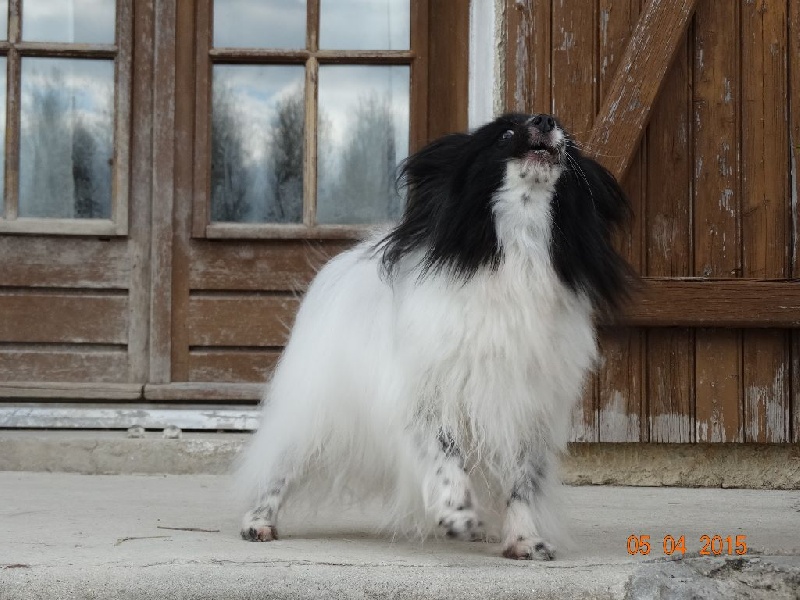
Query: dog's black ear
[
  {"x": 588, "y": 208},
  {"x": 427, "y": 174},
  {"x": 610, "y": 201},
  {"x": 427, "y": 177}
]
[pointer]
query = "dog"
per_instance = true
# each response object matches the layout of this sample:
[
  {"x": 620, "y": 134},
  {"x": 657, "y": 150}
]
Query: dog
[{"x": 438, "y": 363}]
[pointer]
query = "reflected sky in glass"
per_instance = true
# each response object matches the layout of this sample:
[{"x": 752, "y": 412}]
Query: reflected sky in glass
[
  {"x": 365, "y": 24},
  {"x": 66, "y": 138},
  {"x": 2, "y": 133},
  {"x": 81, "y": 21},
  {"x": 3, "y": 19},
  {"x": 257, "y": 141},
  {"x": 363, "y": 135},
  {"x": 260, "y": 23}
]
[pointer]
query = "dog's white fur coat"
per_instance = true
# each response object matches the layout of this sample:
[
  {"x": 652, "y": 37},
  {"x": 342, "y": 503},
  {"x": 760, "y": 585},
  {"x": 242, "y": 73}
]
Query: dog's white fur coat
[{"x": 376, "y": 368}]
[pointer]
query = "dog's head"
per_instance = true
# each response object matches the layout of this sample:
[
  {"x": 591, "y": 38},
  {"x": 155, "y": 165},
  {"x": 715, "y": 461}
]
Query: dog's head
[{"x": 515, "y": 182}]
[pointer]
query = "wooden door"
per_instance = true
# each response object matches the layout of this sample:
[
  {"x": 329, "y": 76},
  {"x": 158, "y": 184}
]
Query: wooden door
[
  {"x": 688, "y": 102},
  {"x": 74, "y": 235}
]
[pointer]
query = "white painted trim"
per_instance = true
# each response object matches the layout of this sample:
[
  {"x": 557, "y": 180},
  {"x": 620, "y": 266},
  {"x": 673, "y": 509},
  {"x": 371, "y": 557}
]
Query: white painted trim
[
  {"x": 123, "y": 416},
  {"x": 483, "y": 81}
]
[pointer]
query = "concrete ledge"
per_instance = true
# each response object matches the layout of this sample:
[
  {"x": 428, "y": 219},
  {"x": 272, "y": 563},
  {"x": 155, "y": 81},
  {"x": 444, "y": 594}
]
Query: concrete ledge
[
  {"x": 758, "y": 466},
  {"x": 141, "y": 537}
]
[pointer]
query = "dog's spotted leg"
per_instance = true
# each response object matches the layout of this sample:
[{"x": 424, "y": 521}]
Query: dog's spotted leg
[
  {"x": 521, "y": 537},
  {"x": 453, "y": 496},
  {"x": 259, "y": 524}
]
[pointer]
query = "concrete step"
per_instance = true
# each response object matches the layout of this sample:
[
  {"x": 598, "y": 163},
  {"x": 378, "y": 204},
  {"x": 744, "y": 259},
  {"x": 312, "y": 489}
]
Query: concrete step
[{"x": 175, "y": 536}]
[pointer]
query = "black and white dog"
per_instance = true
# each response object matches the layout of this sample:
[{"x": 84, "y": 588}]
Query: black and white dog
[{"x": 438, "y": 364}]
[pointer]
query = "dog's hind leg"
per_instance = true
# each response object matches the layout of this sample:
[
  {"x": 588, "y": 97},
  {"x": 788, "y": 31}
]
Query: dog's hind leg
[
  {"x": 527, "y": 504},
  {"x": 449, "y": 491}
]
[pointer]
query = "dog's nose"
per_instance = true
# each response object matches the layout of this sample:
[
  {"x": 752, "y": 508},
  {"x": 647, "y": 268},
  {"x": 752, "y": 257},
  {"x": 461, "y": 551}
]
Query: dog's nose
[{"x": 544, "y": 123}]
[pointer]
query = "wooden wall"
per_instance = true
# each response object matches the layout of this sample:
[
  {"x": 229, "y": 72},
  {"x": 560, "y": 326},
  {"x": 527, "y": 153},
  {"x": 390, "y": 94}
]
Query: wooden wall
[{"x": 714, "y": 188}]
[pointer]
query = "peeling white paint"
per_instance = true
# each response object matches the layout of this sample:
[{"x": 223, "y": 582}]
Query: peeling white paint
[
  {"x": 605, "y": 15},
  {"x": 616, "y": 424},
  {"x": 713, "y": 431},
  {"x": 727, "y": 97},
  {"x": 670, "y": 427},
  {"x": 568, "y": 41},
  {"x": 725, "y": 200},
  {"x": 766, "y": 412},
  {"x": 724, "y": 168}
]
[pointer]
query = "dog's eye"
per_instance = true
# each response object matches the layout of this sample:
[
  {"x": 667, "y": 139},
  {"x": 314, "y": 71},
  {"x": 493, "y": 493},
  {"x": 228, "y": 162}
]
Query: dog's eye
[{"x": 507, "y": 135}]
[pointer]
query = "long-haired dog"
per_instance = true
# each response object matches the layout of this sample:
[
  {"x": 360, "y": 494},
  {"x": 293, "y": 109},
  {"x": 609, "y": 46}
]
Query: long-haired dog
[{"x": 438, "y": 364}]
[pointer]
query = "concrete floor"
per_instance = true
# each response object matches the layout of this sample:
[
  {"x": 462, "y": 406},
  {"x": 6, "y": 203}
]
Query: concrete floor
[{"x": 127, "y": 536}]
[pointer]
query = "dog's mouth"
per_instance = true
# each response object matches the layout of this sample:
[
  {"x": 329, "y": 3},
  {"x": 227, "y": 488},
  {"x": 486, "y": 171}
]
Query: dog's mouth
[{"x": 544, "y": 154}]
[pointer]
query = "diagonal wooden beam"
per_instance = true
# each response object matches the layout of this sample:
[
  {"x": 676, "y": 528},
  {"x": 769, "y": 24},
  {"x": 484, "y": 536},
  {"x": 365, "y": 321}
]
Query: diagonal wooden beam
[{"x": 623, "y": 117}]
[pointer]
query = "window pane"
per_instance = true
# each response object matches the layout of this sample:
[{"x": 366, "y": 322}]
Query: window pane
[
  {"x": 3, "y": 19},
  {"x": 83, "y": 21},
  {"x": 257, "y": 126},
  {"x": 260, "y": 23},
  {"x": 364, "y": 24},
  {"x": 362, "y": 136},
  {"x": 66, "y": 138}
]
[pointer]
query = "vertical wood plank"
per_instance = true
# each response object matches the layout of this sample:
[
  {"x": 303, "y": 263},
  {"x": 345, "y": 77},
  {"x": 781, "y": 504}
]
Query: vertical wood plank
[
  {"x": 716, "y": 208},
  {"x": 162, "y": 193},
  {"x": 572, "y": 50},
  {"x": 183, "y": 194},
  {"x": 13, "y": 107},
  {"x": 620, "y": 377},
  {"x": 765, "y": 210},
  {"x": 794, "y": 149},
  {"x": 141, "y": 172},
  {"x": 420, "y": 41},
  {"x": 668, "y": 224},
  {"x": 528, "y": 85},
  {"x": 573, "y": 65},
  {"x": 448, "y": 47}
]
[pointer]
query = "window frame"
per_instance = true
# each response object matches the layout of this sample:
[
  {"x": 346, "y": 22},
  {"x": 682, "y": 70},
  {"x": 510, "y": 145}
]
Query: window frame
[
  {"x": 311, "y": 57},
  {"x": 121, "y": 52}
]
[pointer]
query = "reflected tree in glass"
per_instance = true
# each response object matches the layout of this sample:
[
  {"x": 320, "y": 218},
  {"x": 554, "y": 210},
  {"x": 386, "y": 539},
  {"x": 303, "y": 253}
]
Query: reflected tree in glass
[
  {"x": 285, "y": 159},
  {"x": 66, "y": 142},
  {"x": 257, "y": 144},
  {"x": 368, "y": 107},
  {"x": 230, "y": 176}
]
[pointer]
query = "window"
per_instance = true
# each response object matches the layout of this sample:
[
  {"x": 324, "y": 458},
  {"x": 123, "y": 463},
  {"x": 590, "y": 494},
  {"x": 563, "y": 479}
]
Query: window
[
  {"x": 65, "y": 67},
  {"x": 304, "y": 110}
]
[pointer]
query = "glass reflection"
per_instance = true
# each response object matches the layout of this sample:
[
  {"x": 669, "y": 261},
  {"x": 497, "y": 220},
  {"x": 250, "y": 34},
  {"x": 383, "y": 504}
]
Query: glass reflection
[
  {"x": 362, "y": 136},
  {"x": 257, "y": 126},
  {"x": 82, "y": 21},
  {"x": 260, "y": 23},
  {"x": 66, "y": 138},
  {"x": 3, "y": 19},
  {"x": 364, "y": 24}
]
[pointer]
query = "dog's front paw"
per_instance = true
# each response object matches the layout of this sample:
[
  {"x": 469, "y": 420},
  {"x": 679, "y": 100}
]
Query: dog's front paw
[
  {"x": 463, "y": 524},
  {"x": 257, "y": 529},
  {"x": 529, "y": 548}
]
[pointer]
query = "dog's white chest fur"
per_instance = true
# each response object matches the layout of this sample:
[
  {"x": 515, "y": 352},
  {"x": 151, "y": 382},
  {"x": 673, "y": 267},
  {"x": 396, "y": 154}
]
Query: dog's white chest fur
[{"x": 497, "y": 360}]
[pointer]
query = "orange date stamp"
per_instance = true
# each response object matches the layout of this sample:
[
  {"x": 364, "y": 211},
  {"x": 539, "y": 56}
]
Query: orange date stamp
[{"x": 710, "y": 545}]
